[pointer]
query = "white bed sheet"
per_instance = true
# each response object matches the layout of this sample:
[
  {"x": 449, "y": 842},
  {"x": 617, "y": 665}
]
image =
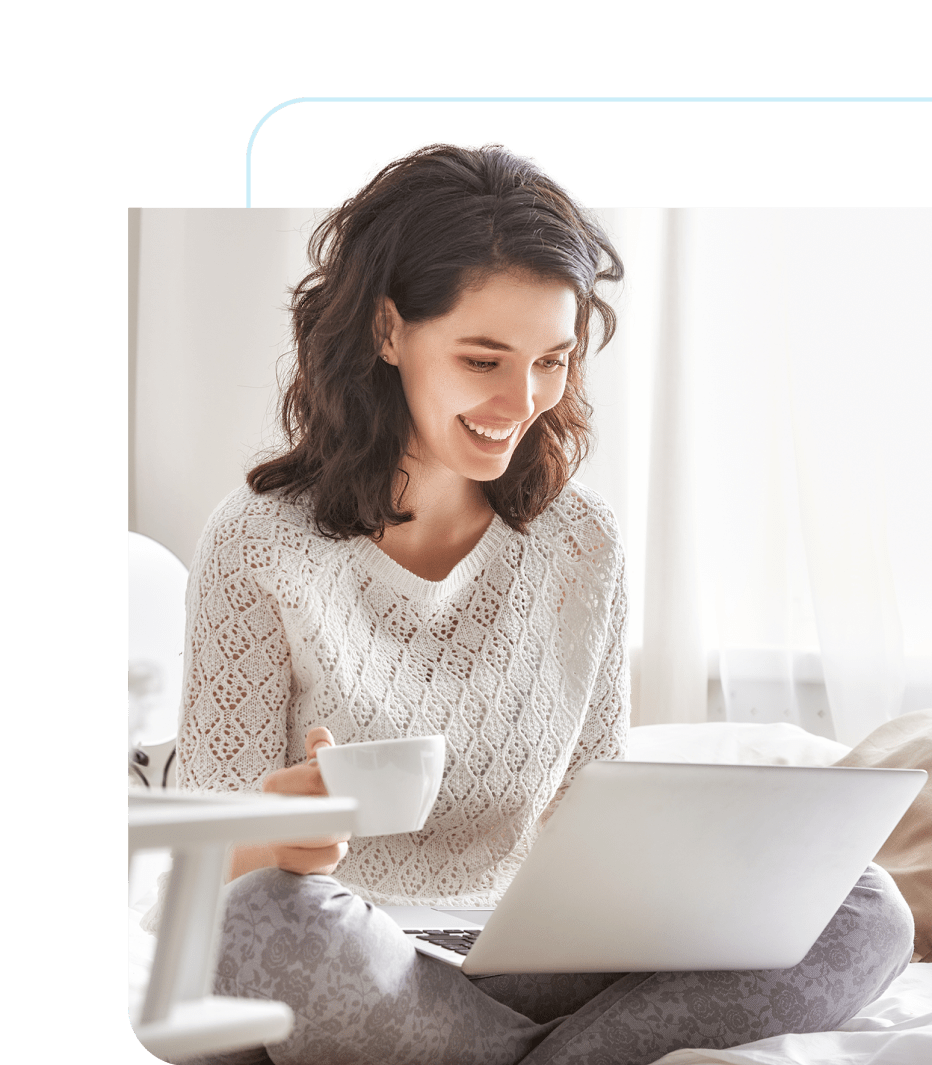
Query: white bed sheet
[{"x": 896, "y": 1029}]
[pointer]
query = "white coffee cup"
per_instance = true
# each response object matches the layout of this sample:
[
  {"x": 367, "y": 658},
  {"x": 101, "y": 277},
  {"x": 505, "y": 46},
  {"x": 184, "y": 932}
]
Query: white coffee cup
[{"x": 395, "y": 782}]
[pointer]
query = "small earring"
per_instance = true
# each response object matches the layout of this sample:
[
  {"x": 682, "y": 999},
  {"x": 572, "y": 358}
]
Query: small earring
[{"x": 384, "y": 358}]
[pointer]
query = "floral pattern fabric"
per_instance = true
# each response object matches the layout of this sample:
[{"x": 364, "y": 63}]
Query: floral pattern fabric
[{"x": 363, "y": 996}]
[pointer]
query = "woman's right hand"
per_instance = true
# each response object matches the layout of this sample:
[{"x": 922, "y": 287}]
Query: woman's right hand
[{"x": 323, "y": 854}]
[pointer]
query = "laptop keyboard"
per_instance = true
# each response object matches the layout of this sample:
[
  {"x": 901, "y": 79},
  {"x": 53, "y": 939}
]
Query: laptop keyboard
[{"x": 459, "y": 940}]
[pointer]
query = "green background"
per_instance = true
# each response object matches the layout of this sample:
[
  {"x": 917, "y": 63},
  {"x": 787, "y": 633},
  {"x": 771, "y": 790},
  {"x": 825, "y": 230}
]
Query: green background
[{"x": 110, "y": 107}]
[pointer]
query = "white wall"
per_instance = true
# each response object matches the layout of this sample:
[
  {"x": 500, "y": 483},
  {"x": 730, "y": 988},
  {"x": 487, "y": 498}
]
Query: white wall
[{"x": 211, "y": 328}]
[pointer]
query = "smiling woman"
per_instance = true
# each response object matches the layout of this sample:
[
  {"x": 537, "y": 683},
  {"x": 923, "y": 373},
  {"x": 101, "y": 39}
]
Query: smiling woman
[
  {"x": 419, "y": 561},
  {"x": 415, "y": 250},
  {"x": 470, "y": 412}
]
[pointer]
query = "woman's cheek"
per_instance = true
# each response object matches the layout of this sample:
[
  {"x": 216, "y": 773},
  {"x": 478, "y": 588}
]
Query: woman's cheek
[{"x": 555, "y": 394}]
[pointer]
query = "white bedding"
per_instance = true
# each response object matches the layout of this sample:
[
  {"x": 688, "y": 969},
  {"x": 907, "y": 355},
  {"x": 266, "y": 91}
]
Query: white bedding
[{"x": 894, "y": 1030}]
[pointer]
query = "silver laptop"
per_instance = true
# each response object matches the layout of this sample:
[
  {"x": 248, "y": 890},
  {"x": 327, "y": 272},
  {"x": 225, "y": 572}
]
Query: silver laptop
[{"x": 659, "y": 867}]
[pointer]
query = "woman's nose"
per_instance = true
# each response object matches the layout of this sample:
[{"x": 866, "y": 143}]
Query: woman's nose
[{"x": 518, "y": 400}]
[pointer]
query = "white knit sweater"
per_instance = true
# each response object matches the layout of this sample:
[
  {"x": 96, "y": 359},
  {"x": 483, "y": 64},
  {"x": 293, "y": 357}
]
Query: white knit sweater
[{"x": 517, "y": 658}]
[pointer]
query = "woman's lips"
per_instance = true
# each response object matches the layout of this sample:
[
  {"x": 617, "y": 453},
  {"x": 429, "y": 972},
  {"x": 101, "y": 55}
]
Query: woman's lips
[
  {"x": 495, "y": 447},
  {"x": 496, "y": 433}
]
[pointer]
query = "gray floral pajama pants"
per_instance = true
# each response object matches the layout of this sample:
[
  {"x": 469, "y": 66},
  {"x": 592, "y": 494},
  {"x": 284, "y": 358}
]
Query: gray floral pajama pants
[{"x": 362, "y": 995}]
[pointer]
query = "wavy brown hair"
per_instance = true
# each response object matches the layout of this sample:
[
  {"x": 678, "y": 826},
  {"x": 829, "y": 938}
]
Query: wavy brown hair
[{"x": 426, "y": 227}]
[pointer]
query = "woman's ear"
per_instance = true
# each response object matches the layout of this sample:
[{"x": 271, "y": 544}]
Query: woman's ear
[{"x": 388, "y": 326}]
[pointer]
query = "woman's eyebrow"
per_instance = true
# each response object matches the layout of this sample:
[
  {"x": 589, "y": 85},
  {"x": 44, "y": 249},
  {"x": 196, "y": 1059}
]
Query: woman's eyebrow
[{"x": 497, "y": 345}]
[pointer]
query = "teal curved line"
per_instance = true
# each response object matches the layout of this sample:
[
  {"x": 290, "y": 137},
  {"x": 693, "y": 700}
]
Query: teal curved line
[
  {"x": 252, "y": 139},
  {"x": 566, "y": 100}
]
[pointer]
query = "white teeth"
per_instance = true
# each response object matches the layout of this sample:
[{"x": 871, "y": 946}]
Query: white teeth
[{"x": 491, "y": 434}]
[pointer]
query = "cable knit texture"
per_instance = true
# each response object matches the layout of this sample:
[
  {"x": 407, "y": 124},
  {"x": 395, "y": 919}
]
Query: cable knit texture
[{"x": 517, "y": 657}]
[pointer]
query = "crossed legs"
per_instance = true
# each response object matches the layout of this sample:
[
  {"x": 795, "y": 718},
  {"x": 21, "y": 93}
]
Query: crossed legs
[{"x": 363, "y": 996}]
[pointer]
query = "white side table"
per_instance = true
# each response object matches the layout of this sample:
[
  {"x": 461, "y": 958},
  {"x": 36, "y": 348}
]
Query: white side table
[{"x": 178, "y": 1014}]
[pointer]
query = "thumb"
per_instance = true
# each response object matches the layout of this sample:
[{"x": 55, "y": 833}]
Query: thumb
[{"x": 318, "y": 737}]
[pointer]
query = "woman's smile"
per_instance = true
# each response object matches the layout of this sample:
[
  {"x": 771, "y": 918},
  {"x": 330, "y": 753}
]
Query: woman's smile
[{"x": 489, "y": 435}]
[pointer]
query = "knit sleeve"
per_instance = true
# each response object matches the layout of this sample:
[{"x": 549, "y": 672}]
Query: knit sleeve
[
  {"x": 233, "y": 721},
  {"x": 610, "y": 708},
  {"x": 604, "y": 732}
]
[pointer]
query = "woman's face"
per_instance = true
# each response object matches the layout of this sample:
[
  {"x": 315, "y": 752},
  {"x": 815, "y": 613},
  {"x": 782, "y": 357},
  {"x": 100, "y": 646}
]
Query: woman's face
[{"x": 476, "y": 378}]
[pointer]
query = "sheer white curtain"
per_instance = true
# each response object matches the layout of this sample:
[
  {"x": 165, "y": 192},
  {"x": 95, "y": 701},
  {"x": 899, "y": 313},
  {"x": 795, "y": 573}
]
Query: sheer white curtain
[
  {"x": 764, "y": 436},
  {"x": 778, "y": 496}
]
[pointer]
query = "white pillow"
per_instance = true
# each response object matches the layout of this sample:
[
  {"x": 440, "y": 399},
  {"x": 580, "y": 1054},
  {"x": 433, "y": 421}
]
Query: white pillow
[{"x": 732, "y": 743}]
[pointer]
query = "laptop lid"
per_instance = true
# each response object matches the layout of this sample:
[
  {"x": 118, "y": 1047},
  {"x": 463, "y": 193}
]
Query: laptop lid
[{"x": 657, "y": 867}]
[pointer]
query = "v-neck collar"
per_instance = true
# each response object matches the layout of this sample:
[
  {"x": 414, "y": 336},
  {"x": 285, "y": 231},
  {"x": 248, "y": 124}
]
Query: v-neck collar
[{"x": 386, "y": 569}]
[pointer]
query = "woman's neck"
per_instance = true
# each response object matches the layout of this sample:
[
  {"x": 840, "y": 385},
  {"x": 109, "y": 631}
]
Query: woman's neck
[{"x": 450, "y": 517}]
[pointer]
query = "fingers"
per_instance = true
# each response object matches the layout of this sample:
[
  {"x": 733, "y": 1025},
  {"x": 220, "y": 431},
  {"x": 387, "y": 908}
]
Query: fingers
[
  {"x": 303, "y": 779},
  {"x": 303, "y": 860},
  {"x": 318, "y": 737},
  {"x": 320, "y": 855}
]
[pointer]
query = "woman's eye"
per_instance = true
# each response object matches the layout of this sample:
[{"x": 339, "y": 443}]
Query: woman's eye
[{"x": 485, "y": 365}]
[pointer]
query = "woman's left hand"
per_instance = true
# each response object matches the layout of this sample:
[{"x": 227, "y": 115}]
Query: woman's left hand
[{"x": 320, "y": 855}]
